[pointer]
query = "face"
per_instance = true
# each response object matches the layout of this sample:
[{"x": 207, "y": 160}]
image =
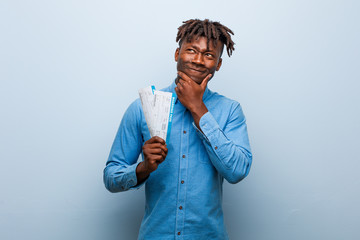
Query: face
[{"x": 196, "y": 59}]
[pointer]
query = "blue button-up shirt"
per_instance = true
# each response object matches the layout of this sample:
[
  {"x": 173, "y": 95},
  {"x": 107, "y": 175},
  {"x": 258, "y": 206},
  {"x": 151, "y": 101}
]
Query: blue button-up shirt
[{"x": 184, "y": 194}]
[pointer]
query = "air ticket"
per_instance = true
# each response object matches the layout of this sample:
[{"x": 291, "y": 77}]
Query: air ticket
[{"x": 158, "y": 107}]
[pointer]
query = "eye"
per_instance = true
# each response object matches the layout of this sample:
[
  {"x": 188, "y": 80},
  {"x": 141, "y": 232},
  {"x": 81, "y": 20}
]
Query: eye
[
  {"x": 190, "y": 50},
  {"x": 209, "y": 55}
]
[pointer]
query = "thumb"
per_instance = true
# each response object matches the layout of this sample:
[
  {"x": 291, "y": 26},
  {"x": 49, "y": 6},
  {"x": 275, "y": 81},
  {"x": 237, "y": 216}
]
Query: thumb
[{"x": 205, "y": 81}]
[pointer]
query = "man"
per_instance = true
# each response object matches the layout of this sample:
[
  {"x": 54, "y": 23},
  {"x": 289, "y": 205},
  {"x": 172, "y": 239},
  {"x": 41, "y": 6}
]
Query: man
[{"x": 208, "y": 142}]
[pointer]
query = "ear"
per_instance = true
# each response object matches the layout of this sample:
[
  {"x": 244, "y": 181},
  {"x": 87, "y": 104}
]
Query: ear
[
  {"x": 177, "y": 54},
  {"x": 219, "y": 64}
]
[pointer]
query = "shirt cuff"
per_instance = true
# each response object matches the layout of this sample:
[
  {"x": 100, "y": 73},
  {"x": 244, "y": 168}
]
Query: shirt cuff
[
  {"x": 207, "y": 125},
  {"x": 132, "y": 177}
]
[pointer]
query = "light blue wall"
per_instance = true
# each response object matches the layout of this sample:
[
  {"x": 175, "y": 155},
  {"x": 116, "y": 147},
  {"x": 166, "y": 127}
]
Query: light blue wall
[{"x": 69, "y": 69}]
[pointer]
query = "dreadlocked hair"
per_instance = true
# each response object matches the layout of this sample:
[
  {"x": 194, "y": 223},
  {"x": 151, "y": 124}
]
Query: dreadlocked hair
[{"x": 211, "y": 30}]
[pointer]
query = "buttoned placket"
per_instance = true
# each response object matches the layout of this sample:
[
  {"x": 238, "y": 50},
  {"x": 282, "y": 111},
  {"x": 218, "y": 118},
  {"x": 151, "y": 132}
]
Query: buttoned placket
[{"x": 182, "y": 181}]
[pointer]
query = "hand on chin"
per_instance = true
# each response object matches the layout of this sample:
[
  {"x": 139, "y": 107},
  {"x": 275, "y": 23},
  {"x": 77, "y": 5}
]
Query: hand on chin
[{"x": 197, "y": 77}]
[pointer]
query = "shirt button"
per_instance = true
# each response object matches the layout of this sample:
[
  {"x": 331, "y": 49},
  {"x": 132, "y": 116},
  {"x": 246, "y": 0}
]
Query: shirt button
[
  {"x": 178, "y": 233},
  {"x": 182, "y": 182},
  {"x": 183, "y": 156},
  {"x": 180, "y": 207},
  {"x": 215, "y": 148},
  {"x": 184, "y": 132}
]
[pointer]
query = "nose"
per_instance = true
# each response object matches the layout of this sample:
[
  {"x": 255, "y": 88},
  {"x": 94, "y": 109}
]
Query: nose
[{"x": 198, "y": 59}]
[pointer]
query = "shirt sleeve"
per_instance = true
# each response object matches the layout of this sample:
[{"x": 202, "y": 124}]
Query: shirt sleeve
[
  {"x": 228, "y": 148},
  {"x": 120, "y": 171}
]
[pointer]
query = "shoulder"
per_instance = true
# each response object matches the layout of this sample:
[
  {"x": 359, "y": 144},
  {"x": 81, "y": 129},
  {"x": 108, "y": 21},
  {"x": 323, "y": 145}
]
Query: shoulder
[
  {"x": 134, "y": 111},
  {"x": 135, "y": 105},
  {"x": 222, "y": 100},
  {"x": 224, "y": 107}
]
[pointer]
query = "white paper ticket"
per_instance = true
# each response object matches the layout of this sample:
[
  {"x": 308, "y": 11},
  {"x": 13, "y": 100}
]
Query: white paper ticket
[{"x": 158, "y": 109}]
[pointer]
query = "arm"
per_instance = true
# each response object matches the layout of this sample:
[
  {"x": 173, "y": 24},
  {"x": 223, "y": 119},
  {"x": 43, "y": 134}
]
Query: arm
[
  {"x": 122, "y": 172},
  {"x": 190, "y": 94},
  {"x": 228, "y": 149},
  {"x": 155, "y": 152}
]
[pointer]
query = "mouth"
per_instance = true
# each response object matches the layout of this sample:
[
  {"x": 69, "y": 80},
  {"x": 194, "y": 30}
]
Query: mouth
[{"x": 197, "y": 70}]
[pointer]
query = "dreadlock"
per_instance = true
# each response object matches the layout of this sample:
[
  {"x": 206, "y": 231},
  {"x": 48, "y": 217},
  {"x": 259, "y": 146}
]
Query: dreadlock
[{"x": 211, "y": 30}]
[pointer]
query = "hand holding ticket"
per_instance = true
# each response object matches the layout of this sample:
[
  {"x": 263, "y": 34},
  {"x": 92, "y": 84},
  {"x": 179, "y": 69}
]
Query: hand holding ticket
[{"x": 158, "y": 108}]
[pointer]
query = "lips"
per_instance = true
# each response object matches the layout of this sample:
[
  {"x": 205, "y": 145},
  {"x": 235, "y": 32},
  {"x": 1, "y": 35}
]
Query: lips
[{"x": 197, "y": 70}]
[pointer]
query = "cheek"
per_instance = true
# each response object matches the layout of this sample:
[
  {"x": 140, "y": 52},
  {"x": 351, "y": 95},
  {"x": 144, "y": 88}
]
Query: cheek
[
  {"x": 211, "y": 67},
  {"x": 180, "y": 65},
  {"x": 184, "y": 58},
  {"x": 179, "y": 62}
]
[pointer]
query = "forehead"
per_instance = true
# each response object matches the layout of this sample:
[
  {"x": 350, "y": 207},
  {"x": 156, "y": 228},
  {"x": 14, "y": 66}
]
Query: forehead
[{"x": 202, "y": 44}]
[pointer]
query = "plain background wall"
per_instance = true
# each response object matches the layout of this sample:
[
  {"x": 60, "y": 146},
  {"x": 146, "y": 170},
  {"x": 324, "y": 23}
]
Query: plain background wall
[{"x": 69, "y": 69}]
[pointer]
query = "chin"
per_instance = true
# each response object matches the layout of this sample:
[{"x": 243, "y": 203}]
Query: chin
[{"x": 197, "y": 79}]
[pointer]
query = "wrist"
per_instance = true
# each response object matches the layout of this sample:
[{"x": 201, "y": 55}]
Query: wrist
[
  {"x": 198, "y": 111},
  {"x": 141, "y": 170}
]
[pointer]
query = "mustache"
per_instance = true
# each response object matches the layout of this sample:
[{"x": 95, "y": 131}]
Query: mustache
[{"x": 196, "y": 68}]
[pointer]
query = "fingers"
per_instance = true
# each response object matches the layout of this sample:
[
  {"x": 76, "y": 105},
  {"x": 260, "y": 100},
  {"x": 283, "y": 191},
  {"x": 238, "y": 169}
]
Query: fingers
[
  {"x": 182, "y": 84},
  {"x": 180, "y": 87},
  {"x": 205, "y": 81},
  {"x": 155, "y": 139},
  {"x": 160, "y": 146},
  {"x": 152, "y": 146},
  {"x": 156, "y": 148},
  {"x": 155, "y": 158},
  {"x": 155, "y": 152},
  {"x": 184, "y": 77}
]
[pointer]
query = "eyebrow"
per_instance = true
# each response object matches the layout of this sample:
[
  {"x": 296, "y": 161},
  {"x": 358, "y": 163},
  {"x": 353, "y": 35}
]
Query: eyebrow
[{"x": 207, "y": 49}]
